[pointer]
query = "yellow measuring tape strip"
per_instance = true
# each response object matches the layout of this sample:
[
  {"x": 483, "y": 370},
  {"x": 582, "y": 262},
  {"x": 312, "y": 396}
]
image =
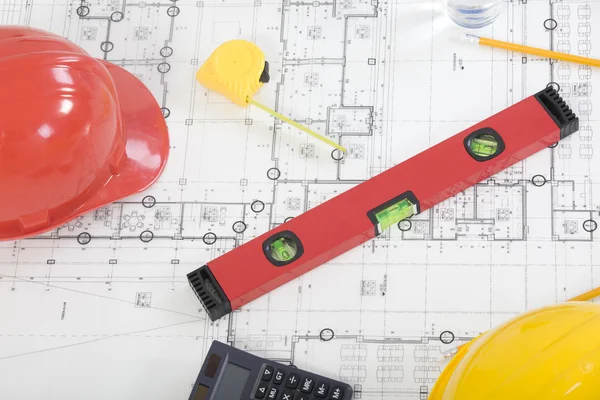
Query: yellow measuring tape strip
[
  {"x": 297, "y": 125},
  {"x": 237, "y": 69}
]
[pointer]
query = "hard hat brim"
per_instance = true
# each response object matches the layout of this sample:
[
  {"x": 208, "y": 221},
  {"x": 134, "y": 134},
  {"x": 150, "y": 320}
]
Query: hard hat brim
[{"x": 437, "y": 392}]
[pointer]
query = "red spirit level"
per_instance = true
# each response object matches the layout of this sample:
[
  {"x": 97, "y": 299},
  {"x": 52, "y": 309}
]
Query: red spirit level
[{"x": 363, "y": 212}]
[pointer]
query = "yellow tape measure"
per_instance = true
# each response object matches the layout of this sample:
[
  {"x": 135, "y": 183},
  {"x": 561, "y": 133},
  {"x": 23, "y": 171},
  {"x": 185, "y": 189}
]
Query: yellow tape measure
[{"x": 237, "y": 69}]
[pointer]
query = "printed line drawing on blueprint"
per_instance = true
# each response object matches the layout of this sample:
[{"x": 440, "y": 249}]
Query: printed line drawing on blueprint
[{"x": 100, "y": 307}]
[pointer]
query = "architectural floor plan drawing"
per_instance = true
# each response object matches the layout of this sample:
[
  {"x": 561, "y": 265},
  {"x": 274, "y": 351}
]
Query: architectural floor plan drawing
[{"x": 101, "y": 309}]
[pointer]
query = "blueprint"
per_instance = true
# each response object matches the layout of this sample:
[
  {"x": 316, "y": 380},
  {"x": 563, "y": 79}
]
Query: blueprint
[{"x": 101, "y": 308}]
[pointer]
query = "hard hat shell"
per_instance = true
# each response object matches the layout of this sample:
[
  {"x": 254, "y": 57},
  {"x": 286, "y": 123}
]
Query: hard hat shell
[
  {"x": 76, "y": 132},
  {"x": 546, "y": 354}
]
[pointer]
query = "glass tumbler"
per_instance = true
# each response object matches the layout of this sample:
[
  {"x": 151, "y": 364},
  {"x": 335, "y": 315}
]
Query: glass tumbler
[{"x": 473, "y": 13}]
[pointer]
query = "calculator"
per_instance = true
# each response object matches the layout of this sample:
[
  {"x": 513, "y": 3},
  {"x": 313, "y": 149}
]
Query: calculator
[{"x": 229, "y": 373}]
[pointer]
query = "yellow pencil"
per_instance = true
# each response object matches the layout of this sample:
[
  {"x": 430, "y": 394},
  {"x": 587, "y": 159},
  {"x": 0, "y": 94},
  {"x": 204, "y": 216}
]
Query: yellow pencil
[
  {"x": 587, "y": 295},
  {"x": 531, "y": 50}
]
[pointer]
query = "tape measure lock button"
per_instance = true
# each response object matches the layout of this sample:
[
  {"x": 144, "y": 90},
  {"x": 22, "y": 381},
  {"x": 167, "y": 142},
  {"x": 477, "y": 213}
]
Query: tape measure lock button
[
  {"x": 283, "y": 248},
  {"x": 484, "y": 144}
]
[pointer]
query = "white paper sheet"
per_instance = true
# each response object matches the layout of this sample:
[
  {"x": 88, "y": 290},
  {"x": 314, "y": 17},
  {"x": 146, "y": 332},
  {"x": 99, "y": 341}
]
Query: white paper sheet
[{"x": 111, "y": 315}]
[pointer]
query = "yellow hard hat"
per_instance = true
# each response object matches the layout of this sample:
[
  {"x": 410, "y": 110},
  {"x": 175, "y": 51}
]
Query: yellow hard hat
[{"x": 546, "y": 354}]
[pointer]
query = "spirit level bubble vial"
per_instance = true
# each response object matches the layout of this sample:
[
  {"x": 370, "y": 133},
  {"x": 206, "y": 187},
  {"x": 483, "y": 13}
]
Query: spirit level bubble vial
[{"x": 365, "y": 211}]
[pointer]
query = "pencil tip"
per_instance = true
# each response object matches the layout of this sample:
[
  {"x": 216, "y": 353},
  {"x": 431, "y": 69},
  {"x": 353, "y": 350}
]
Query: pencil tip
[{"x": 467, "y": 37}]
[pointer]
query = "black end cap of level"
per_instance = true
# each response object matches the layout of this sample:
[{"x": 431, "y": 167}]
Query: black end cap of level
[
  {"x": 560, "y": 112},
  {"x": 210, "y": 294}
]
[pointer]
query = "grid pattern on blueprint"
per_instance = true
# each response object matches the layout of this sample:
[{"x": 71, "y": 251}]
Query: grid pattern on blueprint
[{"x": 100, "y": 307}]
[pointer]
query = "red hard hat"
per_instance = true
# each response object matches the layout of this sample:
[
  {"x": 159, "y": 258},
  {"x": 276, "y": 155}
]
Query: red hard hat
[{"x": 76, "y": 133}]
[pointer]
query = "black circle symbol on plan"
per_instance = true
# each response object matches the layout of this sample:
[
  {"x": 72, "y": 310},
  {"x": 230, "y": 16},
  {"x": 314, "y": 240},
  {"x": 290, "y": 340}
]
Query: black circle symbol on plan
[
  {"x": 166, "y": 112},
  {"x": 273, "y": 173},
  {"x": 83, "y": 11},
  {"x": 553, "y": 145},
  {"x": 590, "y": 225},
  {"x": 554, "y": 85},
  {"x": 209, "y": 238},
  {"x": 446, "y": 337},
  {"x": 84, "y": 238},
  {"x": 164, "y": 67},
  {"x": 405, "y": 225},
  {"x": 116, "y": 16},
  {"x": 146, "y": 236},
  {"x": 538, "y": 180},
  {"x": 148, "y": 201},
  {"x": 173, "y": 11},
  {"x": 337, "y": 155},
  {"x": 550, "y": 24},
  {"x": 166, "y": 51},
  {"x": 287, "y": 219},
  {"x": 257, "y": 206},
  {"x": 239, "y": 226},
  {"x": 326, "y": 335},
  {"x": 107, "y": 46}
]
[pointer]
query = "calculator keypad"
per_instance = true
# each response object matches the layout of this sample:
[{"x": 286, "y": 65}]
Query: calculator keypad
[
  {"x": 288, "y": 395},
  {"x": 272, "y": 393},
  {"x": 307, "y": 385},
  {"x": 278, "y": 377},
  {"x": 261, "y": 390},
  {"x": 267, "y": 373},
  {"x": 294, "y": 384},
  {"x": 291, "y": 382},
  {"x": 337, "y": 393},
  {"x": 322, "y": 390}
]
